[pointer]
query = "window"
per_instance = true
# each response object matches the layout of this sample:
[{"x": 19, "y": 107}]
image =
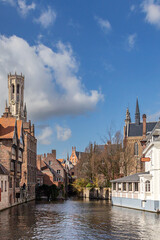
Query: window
[
  {"x": 135, "y": 148},
  {"x": 18, "y": 88},
  {"x": 124, "y": 186},
  {"x": 58, "y": 171},
  {"x": 147, "y": 186},
  {"x": 13, "y": 151},
  {"x": 10, "y": 182},
  {"x": 130, "y": 187},
  {"x": 17, "y": 183},
  {"x": 136, "y": 187},
  {"x": 19, "y": 153},
  {"x": 114, "y": 186},
  {"x": 50, "y": 162},
  {"x": 12, "y": 88},
  {"x": 1, "y": 186},
  {"x": 12, "y": 166},
  {"x": 18, "y": 167},
  {"x": 5, "y": 186},
  {"x": 119, "y": 186}
]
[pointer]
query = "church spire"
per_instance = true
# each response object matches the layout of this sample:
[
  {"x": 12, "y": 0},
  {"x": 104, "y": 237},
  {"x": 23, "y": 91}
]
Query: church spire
[
  {"x": 128, "y": 117},
  {"x": 6, "y": 104},
  {"x": 137, "y": 113}
]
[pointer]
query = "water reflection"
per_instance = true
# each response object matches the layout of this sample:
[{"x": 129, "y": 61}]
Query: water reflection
[{"x": 77, "y": 220}]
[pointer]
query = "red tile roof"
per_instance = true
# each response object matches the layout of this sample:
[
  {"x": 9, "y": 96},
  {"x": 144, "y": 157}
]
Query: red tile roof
[{"x": 7, "y": 126}]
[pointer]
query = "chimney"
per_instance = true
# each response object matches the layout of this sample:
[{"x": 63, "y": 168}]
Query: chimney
[
  {"x": 144, "y": 124},
  {"x": 54, "y": 153}
]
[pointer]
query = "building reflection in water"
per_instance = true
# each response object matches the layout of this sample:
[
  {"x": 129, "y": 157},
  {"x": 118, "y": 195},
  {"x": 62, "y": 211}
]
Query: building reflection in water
[{"x": 82, "y": 219}]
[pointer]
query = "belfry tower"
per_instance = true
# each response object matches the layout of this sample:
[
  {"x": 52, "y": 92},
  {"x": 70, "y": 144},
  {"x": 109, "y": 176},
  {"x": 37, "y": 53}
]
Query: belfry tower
[{"x": 16, "y": 96}]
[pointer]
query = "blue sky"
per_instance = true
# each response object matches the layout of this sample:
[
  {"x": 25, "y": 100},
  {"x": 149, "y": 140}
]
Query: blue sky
[{"x": 84, "y": 63}]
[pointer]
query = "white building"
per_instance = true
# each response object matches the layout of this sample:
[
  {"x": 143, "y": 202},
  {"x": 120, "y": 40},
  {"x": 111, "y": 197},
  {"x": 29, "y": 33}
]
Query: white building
[
  {"x": 4, "y": 201},
  {"x": 142, "y": 190}
]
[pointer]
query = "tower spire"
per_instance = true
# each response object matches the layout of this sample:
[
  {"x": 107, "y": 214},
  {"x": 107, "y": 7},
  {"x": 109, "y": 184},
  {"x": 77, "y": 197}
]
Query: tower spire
[
  {"x": 137, "y": 113},
  {"x": 128, "y": 117}
]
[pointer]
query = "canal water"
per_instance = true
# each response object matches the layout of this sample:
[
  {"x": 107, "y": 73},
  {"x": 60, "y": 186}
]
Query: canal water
[{"x": 77, "y": 219}]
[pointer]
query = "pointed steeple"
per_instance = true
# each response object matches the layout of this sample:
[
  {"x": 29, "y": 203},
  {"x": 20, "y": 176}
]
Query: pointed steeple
[
  {"x": 25, "y": 112},
  {"x": 6, "y": 104},
  {"x": 137, "y": 113},
  {"x": 128, "y": 117}
]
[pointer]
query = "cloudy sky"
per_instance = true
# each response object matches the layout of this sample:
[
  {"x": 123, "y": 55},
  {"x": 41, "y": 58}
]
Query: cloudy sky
[{"x": 84, "y": 63}]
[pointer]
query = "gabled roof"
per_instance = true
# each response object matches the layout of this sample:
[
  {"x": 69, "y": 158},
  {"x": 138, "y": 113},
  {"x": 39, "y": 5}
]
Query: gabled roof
[
  {"x": 53, "y": 171},
  {"x": 137, "y": 129},
  {"x": 80, "y": 154},
  {"x": 7, "y": 128},
  {"x": 3, "y": 170},
  {"x": 131, "y": 178}
]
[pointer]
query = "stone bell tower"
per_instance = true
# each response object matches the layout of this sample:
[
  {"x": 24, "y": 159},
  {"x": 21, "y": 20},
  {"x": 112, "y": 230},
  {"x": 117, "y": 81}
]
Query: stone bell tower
[{"x": 16, "y": 96}]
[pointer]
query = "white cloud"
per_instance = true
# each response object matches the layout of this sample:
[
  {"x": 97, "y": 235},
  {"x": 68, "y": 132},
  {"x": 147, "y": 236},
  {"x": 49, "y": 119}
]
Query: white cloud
[
  {"x": 132, "y": 8},
  {"x": 63, "y": 134},
  {"x": 44, "y": 137},
  {"x": 152, "y": 10},
  {"x": 104, "y": 24},
  {"x": 52, "y": 84},
  {"x": 131, "y": 41},
  {"x": 47, "y": 18},
  {"x": 12, "y": 2},
  {"x": 24, "y": 8}
]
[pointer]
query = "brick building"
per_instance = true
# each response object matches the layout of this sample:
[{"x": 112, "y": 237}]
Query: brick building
[
  {"x": 11, "y": 154},
  {"x": 18, "y": 110},
  {"x": 134, "y": 133},
  {"x": 52, "y": 169}
]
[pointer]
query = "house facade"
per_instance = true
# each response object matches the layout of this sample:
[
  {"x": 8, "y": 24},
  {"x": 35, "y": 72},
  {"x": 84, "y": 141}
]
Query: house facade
[
  {"x": 16, "y": 109},
  {"x": 11, "y": 156},
  {"x": 142, "y": 190},
  {"x": 4, "y": 200},
  {"x": 53, "y": 170},
  {"x": 134, "y": 133}
]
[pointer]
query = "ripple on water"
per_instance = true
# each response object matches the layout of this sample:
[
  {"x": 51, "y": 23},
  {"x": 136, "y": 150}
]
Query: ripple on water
[{"x": 78, "y": 220}]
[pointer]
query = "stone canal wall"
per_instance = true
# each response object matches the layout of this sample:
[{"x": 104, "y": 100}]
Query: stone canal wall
[{"x": 96, "y": 193}]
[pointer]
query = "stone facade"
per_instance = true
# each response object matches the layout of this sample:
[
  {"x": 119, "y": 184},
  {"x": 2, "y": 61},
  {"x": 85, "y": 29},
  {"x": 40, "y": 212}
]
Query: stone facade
[
  {"x": 16, "y": 96},
  {"x": 134, "y": 133}
]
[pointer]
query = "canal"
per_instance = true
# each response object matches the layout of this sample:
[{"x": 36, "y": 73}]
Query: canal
[{"x": 77, "y": 219}]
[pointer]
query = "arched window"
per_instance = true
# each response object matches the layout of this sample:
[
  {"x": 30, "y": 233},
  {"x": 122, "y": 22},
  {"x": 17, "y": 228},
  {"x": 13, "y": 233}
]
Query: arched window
[
  {"x": 18, "y": 88},
  {"x": 147, "y": 186},
  {"x": 12, "y": 88},
  {"x": 135, "y": 148}
]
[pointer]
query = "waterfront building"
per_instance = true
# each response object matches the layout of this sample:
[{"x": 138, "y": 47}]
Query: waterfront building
[
  {"x": 142, "y": 190},
  {"x": 53, "y": 170},
  {"x": 18, "y": 110},
  {"x": 134, "y": 133},
  {"x": 4, "y": 200},
  {"x": 11, "y": 155}
]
